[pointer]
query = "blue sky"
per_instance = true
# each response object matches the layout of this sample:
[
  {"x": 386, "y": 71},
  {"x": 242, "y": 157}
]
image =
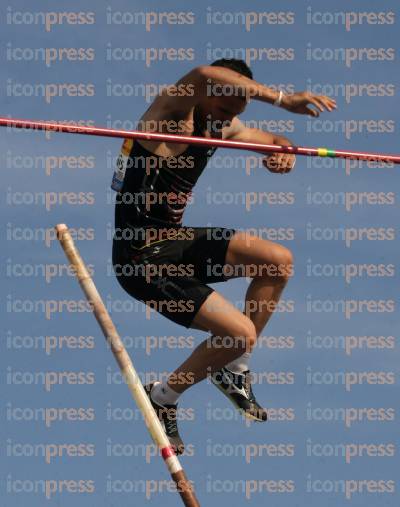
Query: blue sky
[{"x": 374, "y": 118}]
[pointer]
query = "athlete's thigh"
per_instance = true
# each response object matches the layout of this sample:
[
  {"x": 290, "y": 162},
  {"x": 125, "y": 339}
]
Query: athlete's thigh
[
  {"x": 206, "y": 252},
  {"x": 222, "y": 318},
  {"x": 246, "y": 249},
  {"x": 157, "y": 277}
]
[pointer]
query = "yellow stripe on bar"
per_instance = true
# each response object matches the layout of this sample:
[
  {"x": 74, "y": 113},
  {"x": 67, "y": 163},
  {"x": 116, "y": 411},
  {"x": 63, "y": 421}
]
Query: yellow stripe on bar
[{"x": 322, "y": 152}]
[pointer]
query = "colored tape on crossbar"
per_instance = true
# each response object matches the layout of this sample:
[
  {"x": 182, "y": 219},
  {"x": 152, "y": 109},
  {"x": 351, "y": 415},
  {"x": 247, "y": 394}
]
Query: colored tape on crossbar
[{"x": 325, "y": 152}]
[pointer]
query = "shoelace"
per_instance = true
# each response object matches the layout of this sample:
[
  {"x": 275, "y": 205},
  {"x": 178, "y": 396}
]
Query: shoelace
[
  {"x": 246, "y": 384},
  {"x": 170, "y": 424}
]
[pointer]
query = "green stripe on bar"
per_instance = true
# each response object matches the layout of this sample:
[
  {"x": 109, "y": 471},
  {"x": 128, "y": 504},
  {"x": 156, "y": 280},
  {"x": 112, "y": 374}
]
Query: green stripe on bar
[{"x": 324, "y": 152}]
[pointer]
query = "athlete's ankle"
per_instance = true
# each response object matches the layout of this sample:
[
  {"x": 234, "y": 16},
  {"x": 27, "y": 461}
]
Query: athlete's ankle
[
  {"x": 163, "y": 394},
  {"x": 239, "y": 365}
]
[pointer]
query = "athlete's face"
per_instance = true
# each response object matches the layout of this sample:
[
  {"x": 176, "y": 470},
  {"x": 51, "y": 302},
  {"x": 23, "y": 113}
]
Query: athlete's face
[{"x": 220, "y": 111}]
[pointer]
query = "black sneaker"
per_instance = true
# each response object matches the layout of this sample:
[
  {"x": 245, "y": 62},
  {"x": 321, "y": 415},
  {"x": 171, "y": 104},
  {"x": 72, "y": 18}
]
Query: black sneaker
[
  {"x": 238, "y": 389},
  {"x": 167, "y": 416}
]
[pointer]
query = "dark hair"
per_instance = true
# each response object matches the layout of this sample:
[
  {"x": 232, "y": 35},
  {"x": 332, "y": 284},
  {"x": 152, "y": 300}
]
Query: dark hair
[{"x": 234, "y": 64}]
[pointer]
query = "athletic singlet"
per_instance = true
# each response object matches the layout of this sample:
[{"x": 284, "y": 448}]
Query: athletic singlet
[{"x": 155, "y": 190}]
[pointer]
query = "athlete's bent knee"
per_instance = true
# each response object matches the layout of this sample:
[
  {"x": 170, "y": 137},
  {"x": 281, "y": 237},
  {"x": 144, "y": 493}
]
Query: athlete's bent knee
[
  {"x": 239, "y": 335},
  {"x": 285, "y": 263}
]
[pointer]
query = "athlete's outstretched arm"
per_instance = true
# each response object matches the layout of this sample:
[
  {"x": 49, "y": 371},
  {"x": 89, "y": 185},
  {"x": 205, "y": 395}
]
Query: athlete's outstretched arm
[{"x": 205, "y": 77}]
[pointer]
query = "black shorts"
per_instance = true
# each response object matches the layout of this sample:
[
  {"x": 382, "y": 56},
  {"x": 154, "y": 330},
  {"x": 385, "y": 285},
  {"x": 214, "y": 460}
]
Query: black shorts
[{"x": 171, "y": 274}]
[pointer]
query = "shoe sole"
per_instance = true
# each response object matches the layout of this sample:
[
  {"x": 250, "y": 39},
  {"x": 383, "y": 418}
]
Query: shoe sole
[{"x": 243, "y": 412}]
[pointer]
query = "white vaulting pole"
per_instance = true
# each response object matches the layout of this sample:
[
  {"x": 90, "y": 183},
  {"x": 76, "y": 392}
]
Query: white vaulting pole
[{"x": 129, "y": 373}]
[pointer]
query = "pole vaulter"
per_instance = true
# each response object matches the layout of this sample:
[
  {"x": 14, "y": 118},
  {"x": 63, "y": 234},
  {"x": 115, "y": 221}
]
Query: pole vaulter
[
  {"x": 206, "y": 101},
  {"x": 200, "y": 141}
]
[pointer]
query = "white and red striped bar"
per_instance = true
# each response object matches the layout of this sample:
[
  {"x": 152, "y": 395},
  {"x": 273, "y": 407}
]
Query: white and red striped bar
[{"x": 201, "y": 141}]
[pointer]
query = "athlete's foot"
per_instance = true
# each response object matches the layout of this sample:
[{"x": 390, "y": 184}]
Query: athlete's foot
[
  {"x": 238, "y": 389},
  {"x": 167, "y": 416}
]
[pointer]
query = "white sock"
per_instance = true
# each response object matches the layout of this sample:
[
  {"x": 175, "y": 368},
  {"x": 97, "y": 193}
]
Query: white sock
[
  {"x": 240, "y": 364},
  {"x": 163, "y": 394}
]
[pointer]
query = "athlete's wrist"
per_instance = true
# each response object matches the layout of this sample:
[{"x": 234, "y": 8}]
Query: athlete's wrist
[{"x": 279, "y": 99}]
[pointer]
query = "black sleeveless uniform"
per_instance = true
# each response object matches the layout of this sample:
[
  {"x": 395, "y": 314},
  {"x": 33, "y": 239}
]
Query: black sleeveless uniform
[{"x": 156, "y": 258}]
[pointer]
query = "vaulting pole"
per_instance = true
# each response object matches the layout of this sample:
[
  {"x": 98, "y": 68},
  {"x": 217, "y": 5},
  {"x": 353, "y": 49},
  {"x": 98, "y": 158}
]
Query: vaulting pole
[
  {"x": 128, "y": 371},
  {"x": 201, "y": 141}
]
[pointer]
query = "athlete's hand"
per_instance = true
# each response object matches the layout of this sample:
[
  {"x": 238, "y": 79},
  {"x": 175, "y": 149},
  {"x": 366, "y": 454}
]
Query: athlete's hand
[
  {"x": 300, "y": 103},
  {"x": 279, "y": 162}
]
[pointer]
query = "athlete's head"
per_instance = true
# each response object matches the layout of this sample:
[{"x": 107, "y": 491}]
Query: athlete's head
[
  {"x": 224, "y": 102},
  {"x": 234, "y": 64}
]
